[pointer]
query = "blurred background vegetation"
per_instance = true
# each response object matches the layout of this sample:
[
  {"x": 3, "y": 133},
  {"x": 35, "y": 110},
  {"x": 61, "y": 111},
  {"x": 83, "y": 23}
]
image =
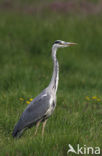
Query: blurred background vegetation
[{"x": 28, "y": 29}]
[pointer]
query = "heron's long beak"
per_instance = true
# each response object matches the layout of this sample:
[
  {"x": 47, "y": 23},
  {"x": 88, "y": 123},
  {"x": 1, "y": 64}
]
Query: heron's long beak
[{"x": 70, "y": 43}]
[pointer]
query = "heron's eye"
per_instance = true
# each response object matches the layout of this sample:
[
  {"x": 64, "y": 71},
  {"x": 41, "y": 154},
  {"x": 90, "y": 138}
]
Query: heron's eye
[{"x": 57, "y": 42}]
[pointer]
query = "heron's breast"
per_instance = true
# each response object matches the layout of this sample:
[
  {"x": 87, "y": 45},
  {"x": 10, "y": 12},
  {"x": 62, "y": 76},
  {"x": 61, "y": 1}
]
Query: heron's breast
[{"x": 52, "y": 105}]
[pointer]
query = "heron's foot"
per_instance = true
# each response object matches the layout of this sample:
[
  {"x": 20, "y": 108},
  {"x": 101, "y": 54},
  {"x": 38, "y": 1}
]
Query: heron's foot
[{"x": 43, "y": 127}]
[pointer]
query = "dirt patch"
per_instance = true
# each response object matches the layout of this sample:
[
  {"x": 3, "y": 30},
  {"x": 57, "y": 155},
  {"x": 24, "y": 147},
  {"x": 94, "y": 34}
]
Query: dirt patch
[
  {"x": 73, "y": 6},
  {"x": 77, "y": 7}
]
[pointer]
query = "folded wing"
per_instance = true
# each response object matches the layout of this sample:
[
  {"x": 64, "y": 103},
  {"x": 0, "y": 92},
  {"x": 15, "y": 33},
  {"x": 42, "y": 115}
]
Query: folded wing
[{"x": 33, "y": 113}]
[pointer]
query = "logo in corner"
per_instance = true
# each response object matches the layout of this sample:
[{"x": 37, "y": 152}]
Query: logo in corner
[
  {"x": 71, "y": 149},
  {"x": 84, "y": 150}
]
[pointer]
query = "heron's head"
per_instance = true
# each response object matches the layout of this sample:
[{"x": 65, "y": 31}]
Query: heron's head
[{"x": 62, "y": 44}]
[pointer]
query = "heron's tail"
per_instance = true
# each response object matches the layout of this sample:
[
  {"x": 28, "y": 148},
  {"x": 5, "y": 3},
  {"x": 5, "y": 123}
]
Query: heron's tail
[{"x": 17, "y": 130}]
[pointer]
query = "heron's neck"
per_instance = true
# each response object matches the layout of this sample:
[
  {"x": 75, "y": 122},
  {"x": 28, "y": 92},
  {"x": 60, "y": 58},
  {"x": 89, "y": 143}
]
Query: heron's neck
[{"x": 55, "y": 76}]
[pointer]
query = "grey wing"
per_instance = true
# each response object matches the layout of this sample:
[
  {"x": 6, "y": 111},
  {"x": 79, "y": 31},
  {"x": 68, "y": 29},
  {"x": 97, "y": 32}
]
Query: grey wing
[{"x": 34, "y": 112}]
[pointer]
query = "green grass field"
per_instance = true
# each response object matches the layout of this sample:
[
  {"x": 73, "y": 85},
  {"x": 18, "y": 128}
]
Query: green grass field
[{"x": 26, "y": 69}]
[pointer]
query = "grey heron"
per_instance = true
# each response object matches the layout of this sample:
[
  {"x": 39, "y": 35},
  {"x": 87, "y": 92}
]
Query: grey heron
[{"x": 42, "y": 107}]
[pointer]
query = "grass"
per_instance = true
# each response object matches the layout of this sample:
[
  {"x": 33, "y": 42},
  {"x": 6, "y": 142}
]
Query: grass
[{"x": 26, "y": 69}]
